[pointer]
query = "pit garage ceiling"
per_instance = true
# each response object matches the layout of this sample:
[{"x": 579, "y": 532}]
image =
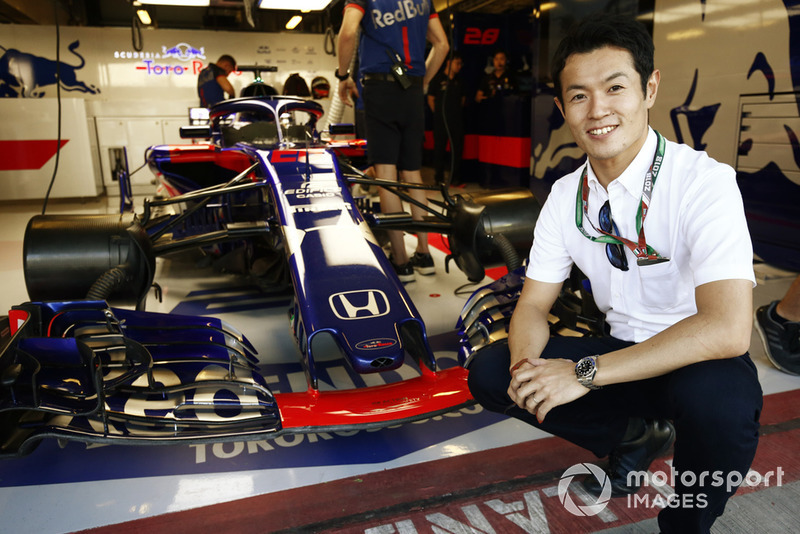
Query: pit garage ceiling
[{"x": 227, "y": 15}]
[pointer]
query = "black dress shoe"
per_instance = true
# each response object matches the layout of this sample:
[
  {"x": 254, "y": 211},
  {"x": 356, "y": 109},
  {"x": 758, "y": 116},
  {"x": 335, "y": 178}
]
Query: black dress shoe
[{"x": 634, "y": 455}]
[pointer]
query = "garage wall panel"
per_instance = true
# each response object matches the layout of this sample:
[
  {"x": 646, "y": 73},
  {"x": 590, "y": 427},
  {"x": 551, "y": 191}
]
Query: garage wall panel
[{"x": 118, "y": 84}]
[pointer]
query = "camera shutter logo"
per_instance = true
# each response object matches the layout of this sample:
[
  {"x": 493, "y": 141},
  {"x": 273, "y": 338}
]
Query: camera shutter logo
[{"x": 566, "y": 499}]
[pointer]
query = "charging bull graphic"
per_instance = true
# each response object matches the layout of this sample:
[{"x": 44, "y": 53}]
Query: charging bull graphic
[{"x": 24, "y": 75}]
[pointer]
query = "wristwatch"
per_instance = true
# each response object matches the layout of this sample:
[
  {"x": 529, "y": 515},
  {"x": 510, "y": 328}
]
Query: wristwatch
[
  {"x": 341, "y": 77},
  {"x": 585, "y": 371}
]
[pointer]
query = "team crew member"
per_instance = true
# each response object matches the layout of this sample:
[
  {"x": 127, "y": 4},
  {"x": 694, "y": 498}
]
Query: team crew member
[
  {"x": 446, "y": 100},
  {"x": 499, "y": 82},
  {"x": 212, "y": 81},
  {"x": 395, "y": 73},
  {"x": 677, "y": 292}
]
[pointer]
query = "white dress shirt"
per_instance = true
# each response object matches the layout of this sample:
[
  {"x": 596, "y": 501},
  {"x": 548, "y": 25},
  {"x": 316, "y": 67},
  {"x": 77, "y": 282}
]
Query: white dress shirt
[{"x": 696, "y": 219}]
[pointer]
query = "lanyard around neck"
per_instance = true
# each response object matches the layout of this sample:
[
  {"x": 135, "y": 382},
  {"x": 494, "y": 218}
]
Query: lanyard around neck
[{"x": 645, "y": 254}]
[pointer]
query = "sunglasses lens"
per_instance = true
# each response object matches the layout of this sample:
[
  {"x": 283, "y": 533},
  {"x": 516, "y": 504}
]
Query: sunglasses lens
[
  {"x": 615, "y": 253},
  {"x": 605, "y": 217}
]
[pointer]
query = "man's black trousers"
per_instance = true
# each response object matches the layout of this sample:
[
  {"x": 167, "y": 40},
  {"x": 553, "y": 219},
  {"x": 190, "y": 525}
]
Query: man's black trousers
[{"x": 714, "y": 406}]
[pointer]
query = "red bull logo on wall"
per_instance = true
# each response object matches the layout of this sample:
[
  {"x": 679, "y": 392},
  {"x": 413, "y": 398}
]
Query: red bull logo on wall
[
  {"x": 26, "y": 75},
  {"x": 183, "y": 52}
]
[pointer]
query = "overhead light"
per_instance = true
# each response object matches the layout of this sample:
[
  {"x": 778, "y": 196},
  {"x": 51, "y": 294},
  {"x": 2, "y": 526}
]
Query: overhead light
[
  {"x": 295, "y": 5},
  {"x": 144, "y": 17},
  {"x": 196, "y": 3},
  {"x": 293, "y": 22}
]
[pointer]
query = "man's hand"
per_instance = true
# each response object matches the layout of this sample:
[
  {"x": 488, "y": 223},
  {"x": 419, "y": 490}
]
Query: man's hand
[
  {"x": 346, "y": 89},
  {"x": 539, "y": 385}
]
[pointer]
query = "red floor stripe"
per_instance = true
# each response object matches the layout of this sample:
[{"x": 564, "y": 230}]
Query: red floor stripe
[{"x": 780, "y": 407}]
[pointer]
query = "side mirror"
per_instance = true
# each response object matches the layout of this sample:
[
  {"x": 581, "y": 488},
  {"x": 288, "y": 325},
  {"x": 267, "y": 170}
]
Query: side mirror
[{"x": 343, "y": 128}]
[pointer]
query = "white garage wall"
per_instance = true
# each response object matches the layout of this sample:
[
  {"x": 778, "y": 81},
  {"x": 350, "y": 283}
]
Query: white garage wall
[{"x": 138, "y": 98}]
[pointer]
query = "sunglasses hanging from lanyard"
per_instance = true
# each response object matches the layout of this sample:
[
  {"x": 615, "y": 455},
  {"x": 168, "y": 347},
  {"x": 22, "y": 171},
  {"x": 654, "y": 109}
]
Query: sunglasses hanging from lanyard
[{"x": 645, "y": 254}]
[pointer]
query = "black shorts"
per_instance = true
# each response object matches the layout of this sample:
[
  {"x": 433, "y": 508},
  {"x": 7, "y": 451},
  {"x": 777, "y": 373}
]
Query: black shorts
[{"x": 395, "y": 123}]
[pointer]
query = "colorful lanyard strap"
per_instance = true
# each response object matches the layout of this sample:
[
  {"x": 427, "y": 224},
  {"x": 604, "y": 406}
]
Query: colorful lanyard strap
[{"x": 645, "y": 254}]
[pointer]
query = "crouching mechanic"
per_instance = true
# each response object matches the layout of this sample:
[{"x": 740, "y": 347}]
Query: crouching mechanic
[{"x": 659, "y": 230}]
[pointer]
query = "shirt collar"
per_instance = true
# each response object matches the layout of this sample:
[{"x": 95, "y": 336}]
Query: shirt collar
[{"x": 633, "y": 176}]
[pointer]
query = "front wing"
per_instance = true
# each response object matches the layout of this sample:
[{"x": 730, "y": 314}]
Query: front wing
[{"x": 83, "y": 371}]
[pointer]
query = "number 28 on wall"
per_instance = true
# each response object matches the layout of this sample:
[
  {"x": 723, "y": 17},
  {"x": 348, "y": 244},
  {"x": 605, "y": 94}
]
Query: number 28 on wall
[{"x": 477, "y": 36}]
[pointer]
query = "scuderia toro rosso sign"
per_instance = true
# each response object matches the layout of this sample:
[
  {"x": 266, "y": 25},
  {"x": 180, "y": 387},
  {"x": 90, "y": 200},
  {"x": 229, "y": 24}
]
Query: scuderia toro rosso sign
[{"x": 152, "y": 63}]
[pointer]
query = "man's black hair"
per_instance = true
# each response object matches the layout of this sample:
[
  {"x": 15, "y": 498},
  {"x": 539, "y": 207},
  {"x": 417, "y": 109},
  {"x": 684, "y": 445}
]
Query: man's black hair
[
  {"x": 229, "y": 59},
  {"x": 598, "y": 31}
]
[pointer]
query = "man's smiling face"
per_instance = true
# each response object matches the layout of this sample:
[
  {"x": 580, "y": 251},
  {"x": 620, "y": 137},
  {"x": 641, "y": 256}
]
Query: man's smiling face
[{"x": 605, "y": 108}]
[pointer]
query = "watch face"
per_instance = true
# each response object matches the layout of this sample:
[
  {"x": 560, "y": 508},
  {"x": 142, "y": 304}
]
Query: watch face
[
  {"x": 585, "y": 370},
  {"x": 584, "y": 367}
]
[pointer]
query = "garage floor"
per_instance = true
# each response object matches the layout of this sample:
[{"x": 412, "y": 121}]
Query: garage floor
[{"x": 468, "y": 471}]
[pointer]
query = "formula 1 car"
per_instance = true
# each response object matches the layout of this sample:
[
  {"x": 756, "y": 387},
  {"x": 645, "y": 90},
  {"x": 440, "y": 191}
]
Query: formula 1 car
[{"x": 72, "y": 366}]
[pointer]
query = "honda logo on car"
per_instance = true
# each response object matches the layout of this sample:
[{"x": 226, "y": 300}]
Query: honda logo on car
[
  {"x": 359, "y": 304},
  {"x": 405, "y": 10}
]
